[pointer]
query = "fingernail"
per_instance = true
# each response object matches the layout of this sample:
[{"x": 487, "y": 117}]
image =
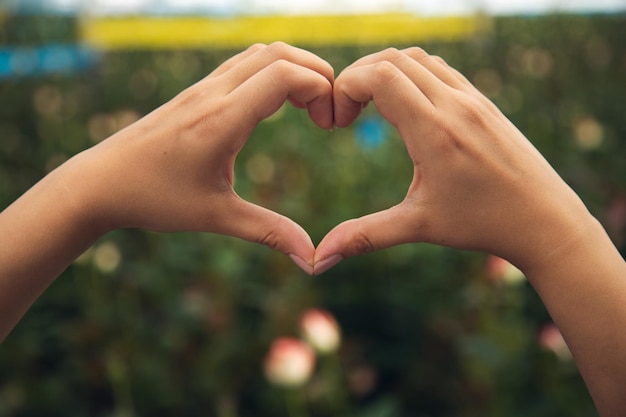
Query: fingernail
[
  {"x": 301, "y": 263},
  {"x": 323, "y": 266}
]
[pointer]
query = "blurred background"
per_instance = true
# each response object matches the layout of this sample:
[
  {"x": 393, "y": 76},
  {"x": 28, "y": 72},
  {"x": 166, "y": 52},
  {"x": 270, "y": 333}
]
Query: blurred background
[{"x": 148, "y": 324}]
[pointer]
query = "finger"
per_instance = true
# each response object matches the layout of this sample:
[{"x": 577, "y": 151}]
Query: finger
[
  {"x": 364, "y": 235},
  {"x": 418, "y": 66},
  {"x": 463, "y": 84},
  {"x": 438, "y": 67},
  {"x": 370, "y": 59},
  {"x": 457, "y": 80},
  {"x": 433, "y": 87},
  {"x": 395, "y": 95},
  {"x": 265, "y": 56},
  {"x": 236, "y": 59},
  {"x": 390, "y": 54},
  {"x": 461, "y": 81},
  {"x": 266, "y": 91},
  {"x": 260, "y": 225},
  {"x": 460, "y": 77}
]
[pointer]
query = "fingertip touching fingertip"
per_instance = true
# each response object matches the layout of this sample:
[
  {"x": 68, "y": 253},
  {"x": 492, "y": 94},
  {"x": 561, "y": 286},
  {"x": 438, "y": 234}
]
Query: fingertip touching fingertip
[
  {"x": 302, "y": 264},
  {"x": 324, "y": 265}
]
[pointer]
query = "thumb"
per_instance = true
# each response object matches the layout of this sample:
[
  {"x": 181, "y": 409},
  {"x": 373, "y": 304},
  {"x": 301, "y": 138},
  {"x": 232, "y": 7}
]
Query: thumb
[
  {"x": 257, "y": 224},
  {"x": 366, "y": 234}
]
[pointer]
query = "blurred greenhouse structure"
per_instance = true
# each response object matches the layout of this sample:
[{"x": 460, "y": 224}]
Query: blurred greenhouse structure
[{"x": 150, "y": 324}]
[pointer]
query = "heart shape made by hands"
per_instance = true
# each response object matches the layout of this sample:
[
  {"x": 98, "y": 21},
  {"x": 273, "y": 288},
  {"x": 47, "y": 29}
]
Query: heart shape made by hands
[
  {"x": 471, "y": 165},
  {"x": 351, "y": 93},
  {"x": 351, "y": 167}
]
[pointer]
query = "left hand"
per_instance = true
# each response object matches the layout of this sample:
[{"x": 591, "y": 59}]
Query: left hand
[{"x": 173, "y": 169}]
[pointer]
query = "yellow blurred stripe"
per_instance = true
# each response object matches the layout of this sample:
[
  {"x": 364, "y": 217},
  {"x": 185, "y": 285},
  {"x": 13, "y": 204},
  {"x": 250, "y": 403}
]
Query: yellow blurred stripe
[{"x": 239, "y": 32}]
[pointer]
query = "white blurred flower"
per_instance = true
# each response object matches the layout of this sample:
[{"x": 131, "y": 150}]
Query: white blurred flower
[
  {"x": 107, "y": 257},
  {"x": 289, "y": 362},
  {"x": 589, "y": 133},
  {"x": 320, "y": 330}
]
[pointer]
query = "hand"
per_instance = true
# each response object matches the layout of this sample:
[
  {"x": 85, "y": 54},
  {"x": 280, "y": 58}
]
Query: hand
[
  {"x": 478, "y": 183},
  {"x": 173, "y": 169}
]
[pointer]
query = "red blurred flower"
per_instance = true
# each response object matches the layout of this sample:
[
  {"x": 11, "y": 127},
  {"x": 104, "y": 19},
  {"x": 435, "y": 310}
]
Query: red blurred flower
[
  {"x": 289, "y": 362},
  {"x": 320, "y": 330}
]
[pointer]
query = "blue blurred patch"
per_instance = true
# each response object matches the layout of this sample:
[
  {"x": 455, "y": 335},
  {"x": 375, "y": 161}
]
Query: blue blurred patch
[
  {"x": 44, "y": 60},
  {"x": 371, "y": 132}
]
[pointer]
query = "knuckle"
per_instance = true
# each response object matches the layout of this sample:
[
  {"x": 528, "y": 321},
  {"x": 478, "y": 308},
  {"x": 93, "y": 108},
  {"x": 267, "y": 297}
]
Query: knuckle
[
  {"x": 417, "y": 53},
  {"x": 447, "y": 144},
  {"x": 188, "y": 96},
  {"x": 446, "y": 140},
  {"x": 439, "y": 60},
  {"x": 270, "y": 239},
  {"x": 280, "y": 68},
  {"x": 278, "y": 48},
  {"x": 471, "y": 109},
  {"x": 195, "y": 97},
  {"x": 391, "y": 52},
  {"x": 470, "y": 115},
  {"x": 257, "y": 47},
  {"x": 385, "y": 71},
  {"x": 362, "y": 244}
]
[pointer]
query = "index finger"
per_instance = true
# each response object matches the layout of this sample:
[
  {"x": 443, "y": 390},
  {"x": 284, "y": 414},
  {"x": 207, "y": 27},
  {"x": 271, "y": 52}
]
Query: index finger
[
  {"x": 235, "y": 60},
  {"x": 250, "y": 63},
  {"x": 395, "y": 95},
  {"x": 264, "y": 92}
]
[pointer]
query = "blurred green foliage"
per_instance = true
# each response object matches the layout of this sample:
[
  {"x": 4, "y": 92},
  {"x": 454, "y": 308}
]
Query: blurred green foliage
[{"x": 151, "y": 324}]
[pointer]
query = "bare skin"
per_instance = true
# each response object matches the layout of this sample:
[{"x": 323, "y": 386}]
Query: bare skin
[
  {"x": 478, "y": 184},
  {"x": 170, "y": 171}
]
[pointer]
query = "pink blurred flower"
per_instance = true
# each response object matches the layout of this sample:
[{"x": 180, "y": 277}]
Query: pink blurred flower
[
  {"x": 289, "y": 362},
  {"x": 501, "y": 270},
  {"x": 550, "y": 338},
  {"x": 320, "y": 329}
]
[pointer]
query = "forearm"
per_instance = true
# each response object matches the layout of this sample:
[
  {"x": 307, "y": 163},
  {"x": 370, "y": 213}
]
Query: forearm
[
  {"x": 41, "y": 233},
  {"x": 584, "y": 289},
  {"x": 171, "y": 171}
]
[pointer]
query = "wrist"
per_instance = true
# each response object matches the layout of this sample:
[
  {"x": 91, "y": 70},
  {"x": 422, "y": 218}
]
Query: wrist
[
  {"x": 566, "y": 246},
  {"x": 552, "y": 222},
  {"x": 81, "y": 185}
]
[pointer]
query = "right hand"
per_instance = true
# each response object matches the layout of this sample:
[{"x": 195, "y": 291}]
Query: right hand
[{"x": 478, "y": 183}]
